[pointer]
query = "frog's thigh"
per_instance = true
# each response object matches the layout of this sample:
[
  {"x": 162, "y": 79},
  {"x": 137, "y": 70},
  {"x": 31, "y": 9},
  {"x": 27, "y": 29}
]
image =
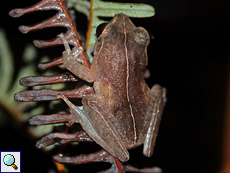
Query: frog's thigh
[
  {"x": 110, "y": 138},
  {"x": 157, "y": 102}
]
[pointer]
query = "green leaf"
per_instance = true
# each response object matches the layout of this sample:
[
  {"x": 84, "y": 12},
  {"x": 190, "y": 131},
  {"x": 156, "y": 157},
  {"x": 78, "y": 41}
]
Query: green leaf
[
  {"x": 6, "y": 64},
  {"x": 109, "y": 9},
  {"x": 81, "y": 6}
]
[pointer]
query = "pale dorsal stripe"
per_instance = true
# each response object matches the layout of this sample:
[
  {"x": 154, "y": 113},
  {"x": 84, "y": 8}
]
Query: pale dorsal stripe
[{"x": 127, "y": 87}]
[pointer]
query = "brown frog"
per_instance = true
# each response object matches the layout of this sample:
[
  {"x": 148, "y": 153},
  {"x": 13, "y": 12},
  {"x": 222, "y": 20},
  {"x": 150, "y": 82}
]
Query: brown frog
[{"x": 124, "y": 112}]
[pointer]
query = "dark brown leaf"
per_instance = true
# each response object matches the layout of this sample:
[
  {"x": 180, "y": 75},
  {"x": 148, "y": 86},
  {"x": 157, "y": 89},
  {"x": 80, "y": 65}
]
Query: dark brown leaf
[
  {"x": 49, "y": 94},
  {"x": 44, "y": 80}
]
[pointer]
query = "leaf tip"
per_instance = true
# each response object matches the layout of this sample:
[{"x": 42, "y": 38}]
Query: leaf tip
[
  {"x": 34, "y": 120},
  {"x": 39, "y": 145},
  {"x": 24, "y": 29},
  {"x": 17, "y": 97},
  {"x": 15, "y": 13},
  {"x": 22, "y": 81}
]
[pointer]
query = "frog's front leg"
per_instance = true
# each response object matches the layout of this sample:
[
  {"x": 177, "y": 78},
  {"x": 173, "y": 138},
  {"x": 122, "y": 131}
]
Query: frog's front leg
[
  {"x": 157, "y": 102},
  {"x": 76, "y": 68},
  {"x": 98, "y": 126}
]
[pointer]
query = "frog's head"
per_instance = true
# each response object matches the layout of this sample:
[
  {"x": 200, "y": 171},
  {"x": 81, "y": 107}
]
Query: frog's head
[{"x": 121, "y": 25}]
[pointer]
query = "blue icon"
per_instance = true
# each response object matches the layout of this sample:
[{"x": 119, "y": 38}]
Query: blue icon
[{"x": 9, "y": 160}]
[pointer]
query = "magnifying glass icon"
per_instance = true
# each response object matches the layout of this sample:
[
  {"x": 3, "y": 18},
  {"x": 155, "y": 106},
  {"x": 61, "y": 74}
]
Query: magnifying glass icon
[{"x": 9, "y": 160}]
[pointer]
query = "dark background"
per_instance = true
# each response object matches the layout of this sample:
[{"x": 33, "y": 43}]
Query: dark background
[{"x": 189, "y": 56}]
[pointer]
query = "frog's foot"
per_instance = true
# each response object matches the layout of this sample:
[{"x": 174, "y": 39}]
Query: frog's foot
[
  {"x": 69, "y": 61},
  {"x": 78, "y": 110},
  {"x": 157, "y": 101},
  {"x": 74, "y": 119},
  {"x": 67, "y": 53}
]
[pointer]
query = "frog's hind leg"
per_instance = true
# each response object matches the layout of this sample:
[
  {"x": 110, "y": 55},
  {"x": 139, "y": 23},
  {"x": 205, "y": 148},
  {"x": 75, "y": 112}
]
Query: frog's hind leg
[
  {"x": 78, "y": 110},
  {"x": 157, "y": 101},
  {"x": 99, "y": 127}
]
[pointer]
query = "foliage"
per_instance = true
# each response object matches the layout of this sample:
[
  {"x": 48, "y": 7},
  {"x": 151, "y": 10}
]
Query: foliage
[{"x": 94, "y": 10}]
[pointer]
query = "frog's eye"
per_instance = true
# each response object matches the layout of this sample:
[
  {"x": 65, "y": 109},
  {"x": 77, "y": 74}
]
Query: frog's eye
[
  {"x": 100, "y": 28},
  {"x": 141, "y": 36}
]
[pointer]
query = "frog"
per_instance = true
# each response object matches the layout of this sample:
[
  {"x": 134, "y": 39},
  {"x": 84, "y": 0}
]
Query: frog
[{"x": 124, "y": 112}]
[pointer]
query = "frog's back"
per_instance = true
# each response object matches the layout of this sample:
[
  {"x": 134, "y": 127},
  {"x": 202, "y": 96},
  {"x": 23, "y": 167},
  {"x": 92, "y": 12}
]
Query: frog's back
[{"x": 120, "y": 80}]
